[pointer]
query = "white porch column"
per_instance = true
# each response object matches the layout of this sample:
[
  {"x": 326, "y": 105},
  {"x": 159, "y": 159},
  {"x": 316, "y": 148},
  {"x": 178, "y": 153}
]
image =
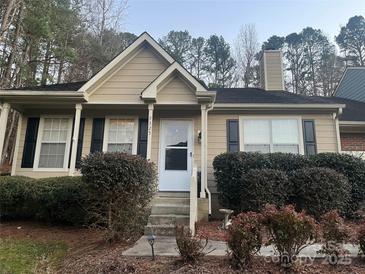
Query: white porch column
[
  {"x": 17, "y": 143},
  {"x": 3, "y": 121},
  {"x": 149, "y": 131},
  {"x": 203, "y": 146},
  {"x": 75, "y": 138}
]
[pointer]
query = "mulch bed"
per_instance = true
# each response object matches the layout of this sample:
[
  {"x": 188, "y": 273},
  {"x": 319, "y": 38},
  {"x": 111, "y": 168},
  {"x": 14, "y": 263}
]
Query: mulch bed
[
  {"x": 212, "y": 230},
  {"x": 89, "y": 254}
]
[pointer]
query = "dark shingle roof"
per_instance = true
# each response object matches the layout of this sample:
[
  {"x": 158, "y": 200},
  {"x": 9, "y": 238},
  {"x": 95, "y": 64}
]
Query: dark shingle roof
[
  {"x": 354, "y": 110},
  {"x": 73, "y": 86},
  {"x": 261, "y": 96},
  {"x": 352, "y": 85}
]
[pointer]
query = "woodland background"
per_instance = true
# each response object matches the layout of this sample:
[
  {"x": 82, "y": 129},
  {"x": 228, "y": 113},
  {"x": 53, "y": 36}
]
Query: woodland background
[{"x": 55, "y": 41}]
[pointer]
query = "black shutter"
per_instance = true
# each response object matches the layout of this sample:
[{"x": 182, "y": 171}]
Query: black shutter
[
  {"x": 30, "y": 142},
  {"x": 97, "y": 135},
  {"x": 309, "y": 137},
  {"x": 233, "y": 142},
  {"x": 80, "y": 142},
  {"x": 142, "y": 137}
]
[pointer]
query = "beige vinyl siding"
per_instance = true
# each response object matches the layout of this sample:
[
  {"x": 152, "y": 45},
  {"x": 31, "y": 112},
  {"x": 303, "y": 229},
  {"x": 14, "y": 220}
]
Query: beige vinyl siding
[
  {"x": 273, "y": 70},
  {"x": 325, "y": 132},
  {"x": 176, "y": 91},
  {"x": 217, "y": 137},
  {"x": 86, "y": 142},
  {"x": 128, "y": 82},
  {"x": 29, "y": 171}
]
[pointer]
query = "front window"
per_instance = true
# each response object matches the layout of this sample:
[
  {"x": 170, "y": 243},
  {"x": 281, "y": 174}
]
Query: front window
[
  {"x": 55, "y": 140},
  {"x": 121, "y": 134},
  {"x": 276, "y": 135}
]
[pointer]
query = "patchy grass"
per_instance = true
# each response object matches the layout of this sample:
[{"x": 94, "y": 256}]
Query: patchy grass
[{"x": 30, "y": 256}]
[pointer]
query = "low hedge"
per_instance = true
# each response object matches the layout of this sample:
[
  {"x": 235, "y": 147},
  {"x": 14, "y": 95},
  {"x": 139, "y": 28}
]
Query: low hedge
[
  {"x": 58, "y": 200},
  {"x": 18, "y": 197},
  {"x": 64, "y": 200},
  {"x": 262, "y": 186},
  {"x": 319, "y": 190},
  {"x": 230, "y": 169}
]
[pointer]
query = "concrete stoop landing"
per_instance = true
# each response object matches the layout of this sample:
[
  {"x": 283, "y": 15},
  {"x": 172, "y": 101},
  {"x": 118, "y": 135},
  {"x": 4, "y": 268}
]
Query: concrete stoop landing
[{"x": 168, "y": 210}]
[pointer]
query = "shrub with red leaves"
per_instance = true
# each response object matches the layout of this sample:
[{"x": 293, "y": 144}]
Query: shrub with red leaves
[
  {"x": 361, "y": 239},
  {"x": 289, "y": 231},
  {"x": 244, "y": 238},
  {"x": 334, "y": 234}
]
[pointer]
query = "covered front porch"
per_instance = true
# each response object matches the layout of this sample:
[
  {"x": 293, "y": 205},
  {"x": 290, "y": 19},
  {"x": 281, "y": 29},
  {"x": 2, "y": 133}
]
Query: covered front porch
[{"x": 171, "y": 136}]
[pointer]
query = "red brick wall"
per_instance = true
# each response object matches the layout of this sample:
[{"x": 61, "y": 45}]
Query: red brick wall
[{"x": 353, "y": 141}]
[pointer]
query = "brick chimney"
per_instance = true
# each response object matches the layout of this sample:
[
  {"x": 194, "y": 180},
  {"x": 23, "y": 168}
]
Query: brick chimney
[{"x": 271, "y": 70}]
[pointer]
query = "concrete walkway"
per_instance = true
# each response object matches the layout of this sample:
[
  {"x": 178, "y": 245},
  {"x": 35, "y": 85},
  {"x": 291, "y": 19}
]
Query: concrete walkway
[{"x": 166, "y": 246}]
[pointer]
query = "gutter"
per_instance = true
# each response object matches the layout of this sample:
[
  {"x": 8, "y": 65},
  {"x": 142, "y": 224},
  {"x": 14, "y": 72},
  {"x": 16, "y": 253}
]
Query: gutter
[
  {"x": 206, "y": 170},
  {"x": 224, "y": 106}
]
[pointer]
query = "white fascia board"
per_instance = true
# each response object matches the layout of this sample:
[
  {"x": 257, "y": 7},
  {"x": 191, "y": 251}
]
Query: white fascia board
[{"x": 150, "y": 92}]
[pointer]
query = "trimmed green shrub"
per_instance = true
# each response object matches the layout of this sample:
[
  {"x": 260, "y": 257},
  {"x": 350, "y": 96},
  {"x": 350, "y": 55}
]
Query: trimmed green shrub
[
  {"x": 228, "y": 171},
  {"x": 353, "y": 168},
  {"x": 289, "y": 231},
  {"x": 244, "y": 238},
  {"x": 262, "y": 186},
  {"x": 62, "y": 200},
  {"x": 287, "y": 162},
  {"x": 121, "y": 187},
  {"x": 319, "y": 190},
  {"x": 17, "y": 197}
]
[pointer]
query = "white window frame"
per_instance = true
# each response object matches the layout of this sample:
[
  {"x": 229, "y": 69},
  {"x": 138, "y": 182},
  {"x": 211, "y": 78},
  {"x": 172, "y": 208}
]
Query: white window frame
[
  {"x": 135, "y": 131},
  {"x": 270, "y": 118},
  {"x": 39, "y": 143}
]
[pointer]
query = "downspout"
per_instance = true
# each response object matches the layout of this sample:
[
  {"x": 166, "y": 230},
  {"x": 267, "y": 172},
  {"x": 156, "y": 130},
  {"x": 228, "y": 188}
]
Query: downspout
[
  {"x": 205, "y": 159},
  {"x": 337, "y": 127}
]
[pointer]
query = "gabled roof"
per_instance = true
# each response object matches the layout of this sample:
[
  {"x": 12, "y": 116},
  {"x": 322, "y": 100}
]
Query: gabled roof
[
  {"x": 143, "y": 38},
  {"x": 352, "y": 84},
  {"x": 150, "y": 92}
]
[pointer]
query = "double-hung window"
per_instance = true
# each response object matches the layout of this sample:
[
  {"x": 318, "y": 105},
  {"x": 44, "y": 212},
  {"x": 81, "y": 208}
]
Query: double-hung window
[
  {"x": 271, "y": 135},
  {"x": 54, "y": 143},
  {"x": 120, "y": 135}
]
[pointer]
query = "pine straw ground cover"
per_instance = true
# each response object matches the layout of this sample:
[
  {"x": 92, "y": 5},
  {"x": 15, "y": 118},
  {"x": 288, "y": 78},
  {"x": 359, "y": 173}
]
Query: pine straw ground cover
[{"x": 86, "y": 253}]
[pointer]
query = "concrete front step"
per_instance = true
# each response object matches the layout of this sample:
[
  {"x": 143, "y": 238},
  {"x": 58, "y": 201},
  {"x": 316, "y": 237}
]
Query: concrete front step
[
  {"x": 171, "y": 194},
  {"x": 171, "y": 200},
  {"x": 160, "y": 230},
  {"x": 168, "y": 219},
  {"x": 170, "y": 209}
]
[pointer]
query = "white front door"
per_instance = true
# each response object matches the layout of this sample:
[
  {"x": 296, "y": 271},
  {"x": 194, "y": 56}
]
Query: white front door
[{"x": 176, "y": 143}]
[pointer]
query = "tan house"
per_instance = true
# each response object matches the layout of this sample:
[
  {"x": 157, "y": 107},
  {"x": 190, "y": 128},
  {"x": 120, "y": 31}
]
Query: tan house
[{"x": 143, "y": 102}]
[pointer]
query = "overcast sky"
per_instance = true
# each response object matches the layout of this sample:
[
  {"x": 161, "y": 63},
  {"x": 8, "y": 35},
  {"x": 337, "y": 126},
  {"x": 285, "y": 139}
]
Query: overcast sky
[{"x": 224, "y": 17}]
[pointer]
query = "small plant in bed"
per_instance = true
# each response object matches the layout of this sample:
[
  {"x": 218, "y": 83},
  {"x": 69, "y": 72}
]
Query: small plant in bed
[
  {"x": 190, "y": 248},
  {"x": 289, "y": 231},
  {"x": 244, "y": 238},
  {"x": 334, "y": 235}
]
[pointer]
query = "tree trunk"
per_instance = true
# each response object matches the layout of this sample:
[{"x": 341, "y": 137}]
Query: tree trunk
[
  {"x": 7, "y": 142},
  {"x": 7, "y": 18},
  {"x": 6, "y": 82},
  {"x": 45, "y": 71}
]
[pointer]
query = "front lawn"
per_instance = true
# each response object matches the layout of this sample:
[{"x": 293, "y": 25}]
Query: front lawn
[{"x": 29, "y": 256}]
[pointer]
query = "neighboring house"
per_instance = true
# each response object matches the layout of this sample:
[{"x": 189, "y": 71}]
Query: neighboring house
[
  {"x": 143, "y": 102},
  {"x": 351, "y": 92}
]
